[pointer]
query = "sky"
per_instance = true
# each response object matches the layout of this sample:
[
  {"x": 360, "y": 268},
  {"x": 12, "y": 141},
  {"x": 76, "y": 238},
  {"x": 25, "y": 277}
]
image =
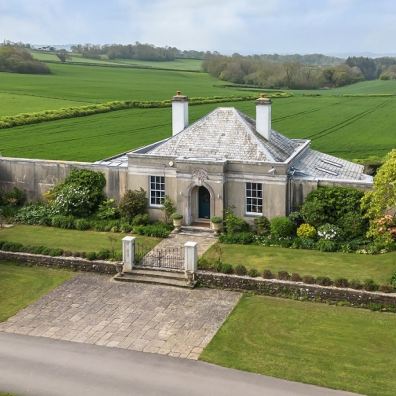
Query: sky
[{"x": 228, "y": 26}]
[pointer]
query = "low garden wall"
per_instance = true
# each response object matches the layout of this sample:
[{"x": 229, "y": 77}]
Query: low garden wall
[
  {"x": 298, "y": 290},
  {"x": 73, "y": 263}
]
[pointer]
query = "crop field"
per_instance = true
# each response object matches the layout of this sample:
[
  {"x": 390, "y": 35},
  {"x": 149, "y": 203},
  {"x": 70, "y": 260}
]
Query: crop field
[
  {"x": 352, "y": 128},
  {"x": 349, "y": 127},
  {"x": 179, "y": 64},
  {"x": 97, "y": 84}
]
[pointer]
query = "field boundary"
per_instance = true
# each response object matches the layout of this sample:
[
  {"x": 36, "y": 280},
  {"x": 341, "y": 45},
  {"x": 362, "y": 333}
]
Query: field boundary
[{"x": 106, "y": 107}]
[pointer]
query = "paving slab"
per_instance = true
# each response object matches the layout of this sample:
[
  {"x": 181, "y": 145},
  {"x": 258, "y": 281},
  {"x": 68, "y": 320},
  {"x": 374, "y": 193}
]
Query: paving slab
[{"x": 93, "y": 309}]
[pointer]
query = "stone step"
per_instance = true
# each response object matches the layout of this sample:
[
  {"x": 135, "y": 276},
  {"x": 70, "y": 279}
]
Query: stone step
[
  {"x": 136, "y": 277},
  {"x": 158, "y": 273},
  {"x": 197, "y": 231}
]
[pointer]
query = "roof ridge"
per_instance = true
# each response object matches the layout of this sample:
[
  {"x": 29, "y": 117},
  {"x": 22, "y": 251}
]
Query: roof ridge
[{"x": 268, "y": 154}]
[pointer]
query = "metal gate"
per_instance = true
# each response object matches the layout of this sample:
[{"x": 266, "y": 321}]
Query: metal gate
[{"x": 170, "y": 258}]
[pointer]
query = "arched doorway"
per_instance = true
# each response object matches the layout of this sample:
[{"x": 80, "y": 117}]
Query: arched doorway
[{"x": 203, "y": 203}]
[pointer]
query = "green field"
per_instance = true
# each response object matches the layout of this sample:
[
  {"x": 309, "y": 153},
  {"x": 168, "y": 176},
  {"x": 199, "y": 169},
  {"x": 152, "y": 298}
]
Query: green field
[
  {"x": 179, "y": 64},
  {"x": 380, "y": 267},
  {"x": 72, "y": 240},
  {"x": 336, "y": 347},
  {"x": 351, "y": 128},
  {"x": 20, "y": 286}
]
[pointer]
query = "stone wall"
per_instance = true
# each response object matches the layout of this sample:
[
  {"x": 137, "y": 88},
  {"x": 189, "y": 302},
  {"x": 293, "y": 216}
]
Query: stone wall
[
  {"x": 73, "y": 263},
  {"x": 38, "y": 176},
  {"x": 295, "y": 290}
]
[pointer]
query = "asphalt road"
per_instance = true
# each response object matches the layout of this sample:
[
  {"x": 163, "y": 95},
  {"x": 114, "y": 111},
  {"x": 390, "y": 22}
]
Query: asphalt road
[{"x": 38, "y": 366}]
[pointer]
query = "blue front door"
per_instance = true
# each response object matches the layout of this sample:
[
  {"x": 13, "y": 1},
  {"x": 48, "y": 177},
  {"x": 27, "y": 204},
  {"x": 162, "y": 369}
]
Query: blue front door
[{"x": 203, "y": 203}]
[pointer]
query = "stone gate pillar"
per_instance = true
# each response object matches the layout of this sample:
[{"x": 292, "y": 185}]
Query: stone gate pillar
[
  {"x": 128, "y": 253},
  {"x": 190, "y": 257}
]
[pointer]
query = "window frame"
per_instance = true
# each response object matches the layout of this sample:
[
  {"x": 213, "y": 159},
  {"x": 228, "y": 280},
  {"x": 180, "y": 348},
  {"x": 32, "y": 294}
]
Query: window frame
[
  {"x": 155, "y": 190},
  {"x": 256, "y": 214}
]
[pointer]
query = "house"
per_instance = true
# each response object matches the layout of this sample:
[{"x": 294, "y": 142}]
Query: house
[{"x": 228, "y": 160}]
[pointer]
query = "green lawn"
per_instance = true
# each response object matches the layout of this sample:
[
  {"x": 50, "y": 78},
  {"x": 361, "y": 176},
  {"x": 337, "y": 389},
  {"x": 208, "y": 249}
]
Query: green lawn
[
  {"x": 20, "y": 286},
  {"x": 336, "y": 347},
  {"x": 309, "y": 262},
  {"x": 72, "y": 240}
]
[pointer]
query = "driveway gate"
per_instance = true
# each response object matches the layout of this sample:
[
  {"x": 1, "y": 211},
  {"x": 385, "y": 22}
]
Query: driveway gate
[{"x": 168, "y": 258}]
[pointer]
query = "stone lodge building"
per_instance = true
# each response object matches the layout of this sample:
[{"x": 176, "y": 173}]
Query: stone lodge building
[{"x": 225, "y": 159}]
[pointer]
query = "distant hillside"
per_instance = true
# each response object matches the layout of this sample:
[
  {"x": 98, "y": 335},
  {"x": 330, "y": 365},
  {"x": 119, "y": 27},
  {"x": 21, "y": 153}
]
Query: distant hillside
[{"x": 309, "y": 59}]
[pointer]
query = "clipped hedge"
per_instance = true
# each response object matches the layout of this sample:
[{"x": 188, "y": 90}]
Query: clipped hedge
[{"x": 82, "y": 111}]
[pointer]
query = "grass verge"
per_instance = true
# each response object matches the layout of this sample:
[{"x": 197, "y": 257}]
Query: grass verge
[
  {"x": 331, "y": 346},
  {"x": 20, "y": 286},
  {"x": 380, "y": 267},
  {"x": 72, "y": 240}
]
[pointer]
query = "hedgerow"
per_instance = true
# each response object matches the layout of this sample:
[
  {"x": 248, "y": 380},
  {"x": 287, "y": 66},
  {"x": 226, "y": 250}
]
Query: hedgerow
[{"x": 82, "y": 111}]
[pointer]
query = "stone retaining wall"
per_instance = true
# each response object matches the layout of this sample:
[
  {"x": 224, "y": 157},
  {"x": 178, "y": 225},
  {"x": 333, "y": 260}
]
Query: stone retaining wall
[
  {"x": 74, "y": 263},
  {"x": 297, "y": 290}
]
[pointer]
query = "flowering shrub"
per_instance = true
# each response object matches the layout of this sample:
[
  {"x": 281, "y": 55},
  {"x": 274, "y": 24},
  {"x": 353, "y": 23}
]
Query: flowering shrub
[
  {"x": 386, "y": 224},
  {"x": 72, "y": 200},
  {"x": 306, "y": 231},
  {"x": 329, "y": 232}
]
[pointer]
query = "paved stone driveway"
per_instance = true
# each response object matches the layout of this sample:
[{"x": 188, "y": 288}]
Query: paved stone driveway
[{"x": 93, "y": 309}]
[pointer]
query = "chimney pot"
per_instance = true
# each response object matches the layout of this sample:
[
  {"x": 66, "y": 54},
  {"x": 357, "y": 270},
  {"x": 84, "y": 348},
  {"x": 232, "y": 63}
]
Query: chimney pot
[
  {"x": 263, "y": 116},
  {"x": 179, "y": 113}
]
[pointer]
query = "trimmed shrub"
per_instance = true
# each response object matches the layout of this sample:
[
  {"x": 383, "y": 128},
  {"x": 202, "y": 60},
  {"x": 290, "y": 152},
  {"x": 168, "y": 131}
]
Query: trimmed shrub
[
  {"x": 54, "y": 252},
  {"x": 215, "y": 219},
  {"x": 325, "y": 245},
  {"x": 370, "y": 285},
  {"x": 386, "y": 289},
  {"x": 262, "y": 226},
  {"x": 141, "y": 219},
  {"x": 341, "y": 282},
  {"x": 309, "y": 279},
  {"x": 133, "y": 203},
  {"x": 226, "y": 268},
  {"x": 253, "y": 273},
  {"x": 393, "y": 280},
  {"x": 324, "y": 281},
  {"x": 295, "y": 277},
  {"x": 244, "y": 238},
  {"x": 267, "y": 274},
  {"x": 306, "y": 231},
  {"x": 177, "y": 216},
  {"x": 283, "y": 275},
  {"x": 282, "y": 227},
  {"x": 91, "y": 256},
  {"x": 240, "y": 269},
  {"x": 103, "y": 254},
  {"x": 355, "y": 284}
]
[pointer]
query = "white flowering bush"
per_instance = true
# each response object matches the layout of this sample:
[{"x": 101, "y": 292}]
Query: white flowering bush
[
  {"x": 72, "y": 200},
  {"x": 329, "y": 232}
]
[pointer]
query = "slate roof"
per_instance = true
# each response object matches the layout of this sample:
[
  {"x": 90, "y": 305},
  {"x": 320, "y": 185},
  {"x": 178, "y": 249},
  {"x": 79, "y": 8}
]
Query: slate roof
[
  {"x": 227, "y": 134},
  {"x": 322, "y": 166}
]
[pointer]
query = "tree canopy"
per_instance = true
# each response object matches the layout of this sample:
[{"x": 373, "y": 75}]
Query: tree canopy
[{"x": 19, "y": 60}]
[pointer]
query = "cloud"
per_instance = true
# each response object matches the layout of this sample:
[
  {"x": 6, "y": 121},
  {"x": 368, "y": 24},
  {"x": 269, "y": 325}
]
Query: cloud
[{"x": 245, "y": 26}]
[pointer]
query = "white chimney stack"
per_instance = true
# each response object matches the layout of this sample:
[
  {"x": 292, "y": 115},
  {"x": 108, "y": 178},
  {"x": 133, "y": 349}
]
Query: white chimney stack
[
  {"x": 263, "y": 117},
  {"x": 179, "y": 113}
]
